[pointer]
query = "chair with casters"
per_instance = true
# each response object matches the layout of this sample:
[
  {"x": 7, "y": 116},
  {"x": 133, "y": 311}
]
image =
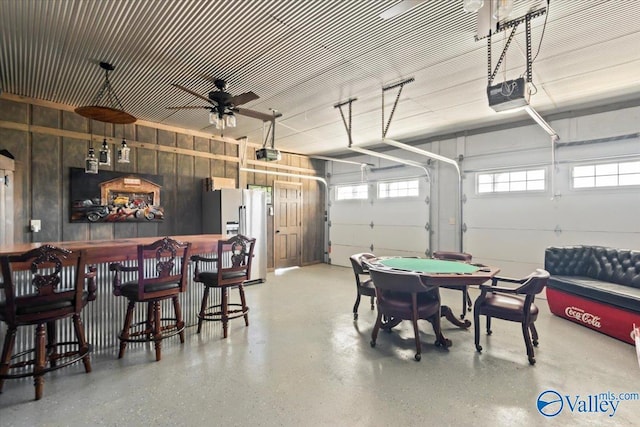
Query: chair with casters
[
  {"x": 457, "y": 256},
  {"x": 402, "y": 296},
  {"x": 42, "y": 287},
  {"x": 161, "y": 275},
  {"x": 230, "y": 267},
  {"x": 512, "y": 304},
  {"x": 364, "y": 285}
]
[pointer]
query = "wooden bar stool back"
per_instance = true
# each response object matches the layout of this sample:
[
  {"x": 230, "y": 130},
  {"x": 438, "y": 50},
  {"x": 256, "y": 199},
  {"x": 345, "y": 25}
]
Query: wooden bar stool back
[
  {"x": 161, "y": 274},
  {"x": 41, "y": 287},
  {"x": 231, "y": 267}
]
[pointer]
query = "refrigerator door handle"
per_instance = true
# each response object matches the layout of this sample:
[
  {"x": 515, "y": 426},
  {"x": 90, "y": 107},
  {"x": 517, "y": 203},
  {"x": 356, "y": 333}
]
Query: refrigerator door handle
[{"x": 242, "y": 216}]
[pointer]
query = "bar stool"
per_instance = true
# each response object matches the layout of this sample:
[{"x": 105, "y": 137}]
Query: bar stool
[
  {"x": 162, "y": 272},
  {"x": 55, "y": 291},
  {"x": 232, "y": 269}
]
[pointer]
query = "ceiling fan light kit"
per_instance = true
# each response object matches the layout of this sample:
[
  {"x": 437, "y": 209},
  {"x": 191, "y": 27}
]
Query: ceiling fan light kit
[{"x": 223, "y": 106}]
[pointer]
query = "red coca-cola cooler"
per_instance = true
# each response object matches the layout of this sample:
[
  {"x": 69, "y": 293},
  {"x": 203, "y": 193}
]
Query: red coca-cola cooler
[{"x": 610, "y": 320}]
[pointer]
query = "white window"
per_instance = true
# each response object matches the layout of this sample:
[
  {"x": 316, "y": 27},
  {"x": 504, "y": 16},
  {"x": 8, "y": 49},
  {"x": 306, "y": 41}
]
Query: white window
[
  {"x": 511, "y": 181},
  {"x": 352, "y": 192},
  {"x": 606, "y": 175},
  {"x": 398, "y": 189}
]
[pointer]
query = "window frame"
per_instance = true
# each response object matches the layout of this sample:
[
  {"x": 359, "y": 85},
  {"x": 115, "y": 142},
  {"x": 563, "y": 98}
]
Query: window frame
[
  {"x": 353, "y": 186},
  {"x": 595, "y": 175},
  {"x": 398, "y": 181},
  {"x": 493, "y": 182}
]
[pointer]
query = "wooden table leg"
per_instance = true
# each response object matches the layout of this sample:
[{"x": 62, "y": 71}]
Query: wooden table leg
[{"x": 445, "y": 311}]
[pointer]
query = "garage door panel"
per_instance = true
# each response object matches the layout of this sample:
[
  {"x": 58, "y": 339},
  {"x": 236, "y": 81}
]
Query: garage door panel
[
  {"x": 407, "y": 213},
  {"x": 350, "y": 234},
  {"x": 400, "y": 238},
  {"x": 514, "y": 245},
  {"x": 351, "y": 212},
  {"x": 340, "y": 254}
]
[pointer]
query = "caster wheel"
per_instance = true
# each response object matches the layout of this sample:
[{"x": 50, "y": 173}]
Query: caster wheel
[
  {"x": 417, "y": 357},
  {"x": 373, "y": 343},
  {"x": 479, "y": 348},
  {"x": 535, "y": 343},
  {"x": 355, "y": 316},
  {"x": 489, "y": 332},
  {"x": 438, "y": 343},
  {"x": 532, "y": 361}
]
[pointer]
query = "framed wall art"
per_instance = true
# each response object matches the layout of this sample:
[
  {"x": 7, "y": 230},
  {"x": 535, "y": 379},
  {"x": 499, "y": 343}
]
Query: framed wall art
[{"x": 110, "y": 196}]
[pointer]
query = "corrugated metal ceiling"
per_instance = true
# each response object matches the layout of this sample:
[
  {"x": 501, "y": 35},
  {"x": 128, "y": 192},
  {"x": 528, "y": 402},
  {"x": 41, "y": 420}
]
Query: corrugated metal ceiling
[{"x": 302, "y": 57}]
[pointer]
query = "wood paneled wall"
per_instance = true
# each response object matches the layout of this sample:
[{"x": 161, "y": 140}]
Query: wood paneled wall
[{"x": 47, "y": 140}]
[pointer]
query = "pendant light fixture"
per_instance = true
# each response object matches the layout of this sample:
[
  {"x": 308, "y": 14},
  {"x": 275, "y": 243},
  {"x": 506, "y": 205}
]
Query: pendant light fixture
[
  {"x": 123, "y": 152},
  {"x": 105, "y": 106},
  {"x": 91, "y": 162},
  {"x": 104, "y": 155}
]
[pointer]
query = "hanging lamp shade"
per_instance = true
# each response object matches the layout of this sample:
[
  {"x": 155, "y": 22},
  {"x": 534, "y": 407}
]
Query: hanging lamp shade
[{"x": 106, "y": 107}]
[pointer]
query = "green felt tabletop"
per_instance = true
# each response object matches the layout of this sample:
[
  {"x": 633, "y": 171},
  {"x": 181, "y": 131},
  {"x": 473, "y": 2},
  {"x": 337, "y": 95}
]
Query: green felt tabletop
[{"x": 425, "y": 265}]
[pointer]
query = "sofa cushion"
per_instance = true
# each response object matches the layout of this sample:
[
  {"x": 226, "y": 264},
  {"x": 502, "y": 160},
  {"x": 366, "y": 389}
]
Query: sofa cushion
[
  {"x": 620, "y": 266},
  {"x": 567, "y": 260},
  {"x": 626, "y": 297}
]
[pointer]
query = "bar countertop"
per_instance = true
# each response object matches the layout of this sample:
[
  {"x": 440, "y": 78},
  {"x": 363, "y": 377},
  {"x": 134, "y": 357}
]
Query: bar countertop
[{"x": 99, "y": 251}]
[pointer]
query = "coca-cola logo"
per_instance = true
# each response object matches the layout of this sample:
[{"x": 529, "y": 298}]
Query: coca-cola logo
[{"x": 582, "y": 316}]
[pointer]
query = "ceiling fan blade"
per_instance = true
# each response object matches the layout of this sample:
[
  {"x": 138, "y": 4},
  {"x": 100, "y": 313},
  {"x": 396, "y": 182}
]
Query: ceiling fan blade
[
  {"x": 256, "y": 114},
  {"x": 192, "y": 92},
  {"x": 189, "y": 106},
  {"x": 243, "y": 98}
]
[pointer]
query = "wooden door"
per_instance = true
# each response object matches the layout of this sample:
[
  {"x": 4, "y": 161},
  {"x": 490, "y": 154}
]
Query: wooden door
[{"x": 288, "y": 224}]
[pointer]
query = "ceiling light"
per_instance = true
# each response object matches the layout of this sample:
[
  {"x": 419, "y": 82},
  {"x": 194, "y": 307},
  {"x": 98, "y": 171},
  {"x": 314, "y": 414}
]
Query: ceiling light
[
  {"x": 539, "y": 120},
  {"x": 222, "y": 120},
  {"x": 502, "y": 9},
  {"x": 472, "y": 5},
  {"x": 105, "y": 106},
  {"x": 400, "y": 8}
]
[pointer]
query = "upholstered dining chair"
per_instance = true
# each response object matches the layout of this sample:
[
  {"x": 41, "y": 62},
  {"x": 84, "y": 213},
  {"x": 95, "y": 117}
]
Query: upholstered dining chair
[
  {"x": 230, "y": 267},
  {"x": 364, "y": 284},
  {"x": 57, "y": 288},
  {"x": 512, "y": 304},
  {"x": 402, "y": 296},
  {"x": 457, "y": 256},
  {"x": 161, "y": 275}
]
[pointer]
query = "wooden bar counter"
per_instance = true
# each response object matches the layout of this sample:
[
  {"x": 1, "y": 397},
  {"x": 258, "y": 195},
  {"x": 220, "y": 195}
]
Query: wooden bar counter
[
  {"x": 103, "y": 318},
  {"x": 101, "y": 251}
]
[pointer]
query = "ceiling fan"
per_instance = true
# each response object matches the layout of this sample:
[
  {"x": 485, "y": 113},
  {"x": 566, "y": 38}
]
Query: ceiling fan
[{"x": 224, "y": 105}]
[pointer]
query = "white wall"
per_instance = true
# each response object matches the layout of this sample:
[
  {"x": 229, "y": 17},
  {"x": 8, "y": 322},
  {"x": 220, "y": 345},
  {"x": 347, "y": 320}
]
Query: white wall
[{"x": 512, "y": 230}]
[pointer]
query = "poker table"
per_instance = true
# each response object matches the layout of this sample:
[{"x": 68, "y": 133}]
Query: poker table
[{"x": 437, "y": 272}]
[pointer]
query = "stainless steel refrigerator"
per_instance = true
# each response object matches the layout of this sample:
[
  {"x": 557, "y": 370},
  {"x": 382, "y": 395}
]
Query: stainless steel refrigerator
[{"x": 235, "y": 211}]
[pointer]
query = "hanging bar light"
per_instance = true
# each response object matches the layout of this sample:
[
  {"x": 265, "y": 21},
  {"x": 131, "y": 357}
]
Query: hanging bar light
[
  {"x": 104, "y": 155},
  {"x": 123, "y": 152},
  {"x": 91, "y": 162}
]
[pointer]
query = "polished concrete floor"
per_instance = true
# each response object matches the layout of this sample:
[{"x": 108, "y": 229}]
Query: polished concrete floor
[{"x": 303, "y": 361}]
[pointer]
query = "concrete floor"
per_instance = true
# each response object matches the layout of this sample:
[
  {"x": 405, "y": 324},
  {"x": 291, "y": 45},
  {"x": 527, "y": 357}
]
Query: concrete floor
[{"x": 303, "y": 361}]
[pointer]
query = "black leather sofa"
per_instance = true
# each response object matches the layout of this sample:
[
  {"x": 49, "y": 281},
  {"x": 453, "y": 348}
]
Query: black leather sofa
[{"x": 595, "y": 286}]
